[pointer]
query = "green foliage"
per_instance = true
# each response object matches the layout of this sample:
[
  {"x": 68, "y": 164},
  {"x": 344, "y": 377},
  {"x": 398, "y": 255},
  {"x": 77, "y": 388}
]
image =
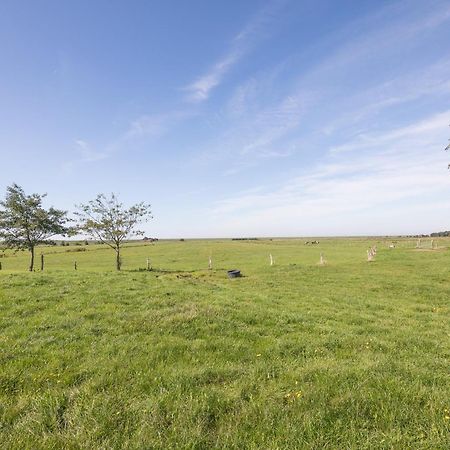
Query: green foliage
[
  {"x": 440, "y": 234},
  {"x": 350, "y": 355},
  {"x": 24, "y": 223},
  {"x": 107, "y": 220}
]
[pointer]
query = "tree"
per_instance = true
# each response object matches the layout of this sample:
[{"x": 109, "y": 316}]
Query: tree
[
  {"x": 448, "y": 148},
  {"x": 107, "y": 220},
  {"x": 24, "y": 223}
]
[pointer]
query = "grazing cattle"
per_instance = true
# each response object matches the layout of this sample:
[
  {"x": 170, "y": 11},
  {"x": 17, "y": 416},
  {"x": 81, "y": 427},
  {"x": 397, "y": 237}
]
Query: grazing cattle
[{"x": 151, "y": 240}]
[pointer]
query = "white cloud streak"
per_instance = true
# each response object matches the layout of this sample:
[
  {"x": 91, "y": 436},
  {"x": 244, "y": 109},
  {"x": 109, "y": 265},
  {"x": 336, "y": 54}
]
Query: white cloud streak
[
  {"x": 407, "y": 166},
  {"x": 200, "y": 89},
  {"x": 155, "y": 125},
  {"x": 87, "y": 154},
  {"x": 259, "y": 131}
]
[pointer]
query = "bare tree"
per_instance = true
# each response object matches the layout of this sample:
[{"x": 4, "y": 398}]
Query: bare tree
[
  {"x": 448, "y": 148},
  {"x": 24, "y": 223},
  {"x": 107, "y": 220}
]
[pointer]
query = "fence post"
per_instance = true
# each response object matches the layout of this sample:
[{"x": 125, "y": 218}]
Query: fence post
[
  {"x": 42, "y": 262},
  {"x": 75, "y": 265}
]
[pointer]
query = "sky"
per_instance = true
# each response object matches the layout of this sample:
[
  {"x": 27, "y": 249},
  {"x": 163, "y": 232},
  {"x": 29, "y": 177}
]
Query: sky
[{"x": 236, "y": 118}]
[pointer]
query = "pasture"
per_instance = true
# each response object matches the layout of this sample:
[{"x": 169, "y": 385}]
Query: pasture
[{"x": 349, "y": 355}]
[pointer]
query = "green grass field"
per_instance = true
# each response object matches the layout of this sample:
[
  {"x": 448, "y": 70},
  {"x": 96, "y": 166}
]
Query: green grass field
[{"x": 348, "y": 355}]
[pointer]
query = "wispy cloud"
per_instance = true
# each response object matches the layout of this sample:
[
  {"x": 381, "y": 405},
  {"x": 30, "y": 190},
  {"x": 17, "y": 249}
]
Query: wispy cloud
[
  {"x": 361, "y": 107},
  {"x": 260, "y": 134},
  {"x": 86, "y": 152},
  {"x": 143, "y": 127},
  {"x": 415, "y": 132},
  {"x": 259, "y": 124},
  {"x": 147, "y": 125},
  {"x": 405, "y": 163},
  {"x": 381, "y": 34},
  {"x": 155, "y": 125},
  {"x": 200, "y": 89}
]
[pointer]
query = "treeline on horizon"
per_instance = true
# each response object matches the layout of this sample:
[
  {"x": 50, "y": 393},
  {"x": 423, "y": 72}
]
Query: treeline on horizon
[{"x": 440, "y": 234}]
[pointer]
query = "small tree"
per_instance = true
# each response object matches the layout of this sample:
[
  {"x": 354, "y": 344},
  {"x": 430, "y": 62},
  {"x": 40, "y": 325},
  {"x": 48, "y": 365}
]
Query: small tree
[
  {"x": 24, "y": 223},
  {"x": 107, "y": 220},
  {"x": 448, "y": 148}
]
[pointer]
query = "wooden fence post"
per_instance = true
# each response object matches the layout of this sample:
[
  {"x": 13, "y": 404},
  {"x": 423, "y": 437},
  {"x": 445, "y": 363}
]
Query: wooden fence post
[
  {"x": 42, "y": 262},
  {"x": 322, "y": 260}
]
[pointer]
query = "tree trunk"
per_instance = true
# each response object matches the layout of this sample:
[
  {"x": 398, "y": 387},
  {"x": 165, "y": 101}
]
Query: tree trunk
[
  {"x": 32, "y": 259},
  {"x": 118, "y": 261}
]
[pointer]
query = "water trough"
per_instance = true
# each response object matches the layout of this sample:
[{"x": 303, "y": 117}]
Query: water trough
[{"x": 234, "y": 273}]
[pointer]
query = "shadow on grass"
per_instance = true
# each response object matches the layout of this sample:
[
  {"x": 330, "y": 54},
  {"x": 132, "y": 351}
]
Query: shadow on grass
[
  {"x": 159, "y": 271},
  {"x": 191, "y": 274}
]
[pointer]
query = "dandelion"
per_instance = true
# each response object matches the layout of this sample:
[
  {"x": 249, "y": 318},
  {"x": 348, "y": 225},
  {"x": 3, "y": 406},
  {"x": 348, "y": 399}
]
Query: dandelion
[{"x": 292, "y": 396}]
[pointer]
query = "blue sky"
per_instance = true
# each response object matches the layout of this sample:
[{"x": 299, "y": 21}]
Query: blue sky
[{"x": 257, "y": 118}]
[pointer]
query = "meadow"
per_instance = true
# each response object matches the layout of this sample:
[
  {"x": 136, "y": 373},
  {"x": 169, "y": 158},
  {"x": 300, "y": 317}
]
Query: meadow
[{"x": 349, "y": 355}]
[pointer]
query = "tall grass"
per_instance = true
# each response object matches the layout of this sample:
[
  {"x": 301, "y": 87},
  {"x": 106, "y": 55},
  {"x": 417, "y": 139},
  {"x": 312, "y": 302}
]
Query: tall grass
[{"x": 348, "y": 355}]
